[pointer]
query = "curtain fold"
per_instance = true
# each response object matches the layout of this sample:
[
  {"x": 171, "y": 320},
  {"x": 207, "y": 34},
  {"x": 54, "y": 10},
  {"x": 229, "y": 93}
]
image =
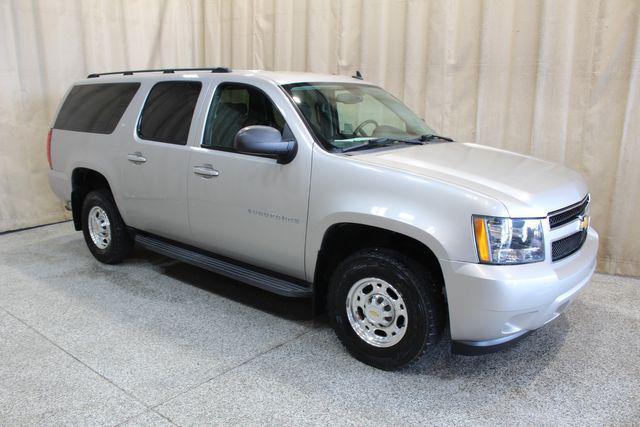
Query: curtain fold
[{"x": 558, "y": 80}]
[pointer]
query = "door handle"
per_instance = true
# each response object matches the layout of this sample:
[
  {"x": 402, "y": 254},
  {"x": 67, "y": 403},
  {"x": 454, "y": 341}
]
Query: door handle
[
  {"x": 205, "y": 171},
  {"x": 136, "y": 158}
]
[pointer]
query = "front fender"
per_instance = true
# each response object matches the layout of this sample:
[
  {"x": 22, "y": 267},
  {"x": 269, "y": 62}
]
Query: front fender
[{"x": 435, "y": 213}]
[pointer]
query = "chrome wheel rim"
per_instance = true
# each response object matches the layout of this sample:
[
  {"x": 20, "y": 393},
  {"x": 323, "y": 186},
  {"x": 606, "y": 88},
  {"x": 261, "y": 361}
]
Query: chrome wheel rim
[
  {"x": 376, "y": 311},
  {"x": 99, "y": 227}
]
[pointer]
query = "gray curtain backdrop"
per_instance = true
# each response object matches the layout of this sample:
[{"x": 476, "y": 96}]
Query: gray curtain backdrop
[{"x": 558, "y": 79}]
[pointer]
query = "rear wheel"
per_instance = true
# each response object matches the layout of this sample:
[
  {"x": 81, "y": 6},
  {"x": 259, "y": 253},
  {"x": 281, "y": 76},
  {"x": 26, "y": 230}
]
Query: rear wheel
[
  {"x": 104, "y": 230},
  {"x": 385, "y": 308}
]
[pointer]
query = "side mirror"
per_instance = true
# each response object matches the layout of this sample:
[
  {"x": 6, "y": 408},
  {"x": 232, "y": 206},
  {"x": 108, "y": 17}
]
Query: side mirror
[{"x": 266, "y": 141}]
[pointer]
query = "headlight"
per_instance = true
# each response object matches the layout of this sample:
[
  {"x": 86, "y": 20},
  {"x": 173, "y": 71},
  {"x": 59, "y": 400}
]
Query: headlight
[{"x": 508, "y": 240}]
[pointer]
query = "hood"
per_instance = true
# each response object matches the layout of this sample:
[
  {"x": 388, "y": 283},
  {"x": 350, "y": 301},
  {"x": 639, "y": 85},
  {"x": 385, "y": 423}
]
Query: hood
[{"x": 525, "y": 185}]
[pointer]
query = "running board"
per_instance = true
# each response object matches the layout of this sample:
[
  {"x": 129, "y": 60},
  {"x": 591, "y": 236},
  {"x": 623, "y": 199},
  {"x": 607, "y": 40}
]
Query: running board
[{"x": 233, "y": 271}]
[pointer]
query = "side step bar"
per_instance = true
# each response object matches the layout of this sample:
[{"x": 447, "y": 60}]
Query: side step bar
[{"x": 233, "y": 271}]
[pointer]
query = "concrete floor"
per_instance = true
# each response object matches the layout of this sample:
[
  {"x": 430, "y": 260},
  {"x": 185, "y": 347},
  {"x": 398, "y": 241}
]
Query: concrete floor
[{"x": 153, "y": 341}]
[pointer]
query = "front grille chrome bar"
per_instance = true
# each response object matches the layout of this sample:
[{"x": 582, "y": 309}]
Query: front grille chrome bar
[{"x": 566, "y": 215}]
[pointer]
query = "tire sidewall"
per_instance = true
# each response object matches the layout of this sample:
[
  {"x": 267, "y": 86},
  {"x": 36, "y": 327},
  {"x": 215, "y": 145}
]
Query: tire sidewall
[
  {"x": 100, "y": 199},
  {"x": 404, "y": 281}
]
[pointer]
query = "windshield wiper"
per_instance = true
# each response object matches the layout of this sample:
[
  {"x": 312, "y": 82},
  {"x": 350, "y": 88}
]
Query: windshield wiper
[
  {"x": 380, "y": 142},
  {"x": 432, "y": 136}
]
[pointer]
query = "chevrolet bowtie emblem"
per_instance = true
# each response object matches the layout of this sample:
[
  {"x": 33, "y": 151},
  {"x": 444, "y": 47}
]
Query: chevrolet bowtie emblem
[{"x": 584, "y": 222}]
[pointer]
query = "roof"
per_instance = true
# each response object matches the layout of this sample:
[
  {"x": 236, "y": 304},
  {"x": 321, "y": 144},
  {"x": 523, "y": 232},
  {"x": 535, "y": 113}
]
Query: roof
[{"x": 277, "y": 77}]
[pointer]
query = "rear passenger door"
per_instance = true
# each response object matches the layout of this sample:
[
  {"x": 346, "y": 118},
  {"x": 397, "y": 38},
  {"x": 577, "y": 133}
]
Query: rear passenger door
[
  {"x": 156, "y": 159},
  {"x": 243, "y": 206}
]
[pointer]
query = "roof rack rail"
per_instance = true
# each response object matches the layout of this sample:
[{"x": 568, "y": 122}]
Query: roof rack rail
[{"x": 164, "y": 71}]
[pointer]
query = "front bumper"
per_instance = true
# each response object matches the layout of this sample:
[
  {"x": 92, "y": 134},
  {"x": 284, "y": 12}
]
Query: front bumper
[{"x": 491, "y": 305}]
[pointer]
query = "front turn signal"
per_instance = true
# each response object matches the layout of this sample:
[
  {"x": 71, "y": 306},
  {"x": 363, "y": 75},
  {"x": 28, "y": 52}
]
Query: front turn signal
[{"x": 482, "y": 242}]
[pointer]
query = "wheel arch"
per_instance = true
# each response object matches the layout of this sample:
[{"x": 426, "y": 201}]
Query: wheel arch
[
  {"x": 342, "y": 238},
  {"x": 83, "y": 181}
]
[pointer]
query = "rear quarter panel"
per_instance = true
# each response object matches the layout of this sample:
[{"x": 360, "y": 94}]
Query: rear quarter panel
[{"x": 99, "y": 152}]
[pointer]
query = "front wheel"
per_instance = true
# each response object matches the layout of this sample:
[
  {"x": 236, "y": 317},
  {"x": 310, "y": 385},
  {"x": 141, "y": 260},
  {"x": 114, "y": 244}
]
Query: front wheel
[{"x": 385, "y": 308}]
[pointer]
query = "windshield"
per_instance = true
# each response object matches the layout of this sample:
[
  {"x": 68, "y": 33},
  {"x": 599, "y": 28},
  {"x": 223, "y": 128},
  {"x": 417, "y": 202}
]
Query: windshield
[{"x": 348, "y": 115}]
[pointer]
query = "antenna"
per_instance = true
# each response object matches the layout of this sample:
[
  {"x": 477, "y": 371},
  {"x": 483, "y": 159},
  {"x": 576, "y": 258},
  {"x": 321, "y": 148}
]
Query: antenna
[{"x": 358, "y": 75}]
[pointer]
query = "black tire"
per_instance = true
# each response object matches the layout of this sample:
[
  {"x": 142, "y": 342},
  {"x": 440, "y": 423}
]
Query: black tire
[
  {"x": 121, "y": 243},
  {"x": 420, "y": 292}
]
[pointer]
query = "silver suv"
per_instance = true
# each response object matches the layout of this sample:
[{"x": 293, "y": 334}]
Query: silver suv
[{"x": 328, "y": 187}]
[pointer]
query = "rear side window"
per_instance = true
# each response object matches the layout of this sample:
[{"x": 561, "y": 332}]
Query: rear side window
[
  {"x": 95, "y": 108},
  {"x": 167, "y": 113}
]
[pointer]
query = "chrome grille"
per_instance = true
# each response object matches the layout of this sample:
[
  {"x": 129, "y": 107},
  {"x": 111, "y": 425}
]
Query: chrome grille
[
  {"x": 568, "y": 245},
  {"x": 566, "y": 215}
]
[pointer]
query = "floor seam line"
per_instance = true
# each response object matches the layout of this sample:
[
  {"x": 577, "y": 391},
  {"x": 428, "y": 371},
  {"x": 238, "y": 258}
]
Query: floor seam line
[
  {"x": 144, "y": 412},
  {"x": 49, "y": 340},
  {"x": 232, "y": 368},
  {"x": 123, "y": 422},
  {"x": 33, "y": 227}
]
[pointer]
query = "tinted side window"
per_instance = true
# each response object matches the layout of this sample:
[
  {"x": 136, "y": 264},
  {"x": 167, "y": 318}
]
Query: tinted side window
[
  {"x": 167, "y": 113},
  {"x": 95, "y": 108},
  {"x": 233, "y": 107}
]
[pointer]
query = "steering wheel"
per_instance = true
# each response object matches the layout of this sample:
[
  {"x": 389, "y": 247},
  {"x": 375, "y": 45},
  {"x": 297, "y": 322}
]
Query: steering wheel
[{"x": 358, "y": 129}]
